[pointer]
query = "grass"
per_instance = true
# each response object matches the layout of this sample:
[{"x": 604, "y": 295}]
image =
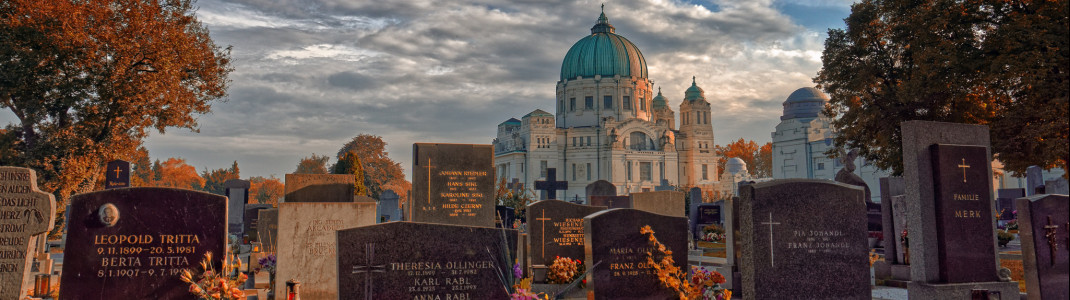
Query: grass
[{"x": 1017, "y": 272}]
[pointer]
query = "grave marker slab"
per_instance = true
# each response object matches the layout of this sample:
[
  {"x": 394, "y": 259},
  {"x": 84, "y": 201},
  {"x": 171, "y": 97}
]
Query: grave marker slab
[
  {"x": 133, "y": 243},
  {"x": 665, "y": 186},
  {"x": 28, "y": 214},
  {"x": 307, "y": 251},
  {"x": 267, "y": 229},
  {"x": 252, "y": 219},
  {"x": 803, "y": 232},
  {"x": 555, "y": 228},
  {"x": 612, "y": 240},
  {"x": 388, "y": 207},
  {"x": 453, "y": 184},
  {"x": 1057, "y": 186},
  {"x": 963, "y": 214},
  {"x": 1034, "y": 178},
  {"x": 406, "y": 260},
  {"x": 612, "y": 201},
  {"x": 709, "y": 213},
  {"x": 117, "y": 174},
  {"x": 237, "y": 192},
  {"x": 890, "y": 186},
  {"x": 319, "y": 187},
  {"x": 1043, "y": 223},
  {"x": 669, "y": 203},
  {"x": 600, "y": 188}
]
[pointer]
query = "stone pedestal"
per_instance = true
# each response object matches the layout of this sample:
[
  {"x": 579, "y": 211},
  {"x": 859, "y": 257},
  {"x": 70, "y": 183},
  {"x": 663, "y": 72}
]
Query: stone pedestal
[{"x": 923, "y": 290}]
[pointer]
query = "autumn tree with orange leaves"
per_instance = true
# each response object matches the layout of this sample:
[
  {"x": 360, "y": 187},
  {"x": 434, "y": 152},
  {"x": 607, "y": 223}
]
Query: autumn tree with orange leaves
[
  {"x": 759, "y": 159},
  {"x": 88, "y": 79}
]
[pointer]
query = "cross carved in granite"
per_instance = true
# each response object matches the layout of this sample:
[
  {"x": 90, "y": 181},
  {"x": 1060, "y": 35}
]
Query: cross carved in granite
[
  {"x": 1053, "y": 243},
  {"x": 367, "y": 269},
  {"x": 551, "y": 185},
  {"x": 771, "y": 223}
]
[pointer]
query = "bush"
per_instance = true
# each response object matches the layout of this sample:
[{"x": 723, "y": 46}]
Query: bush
[{"x": 1004, "y": 237}]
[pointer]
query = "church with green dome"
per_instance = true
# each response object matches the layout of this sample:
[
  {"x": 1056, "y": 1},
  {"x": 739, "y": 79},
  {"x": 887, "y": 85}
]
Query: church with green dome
[{"x": 609, "y": 125}]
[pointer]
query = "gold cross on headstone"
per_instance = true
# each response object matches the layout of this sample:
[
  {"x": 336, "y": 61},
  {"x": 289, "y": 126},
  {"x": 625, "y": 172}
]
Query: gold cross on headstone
[
  {"x": 771, "y": 223},
  {"x": 963, "y": 166},
  {"x": 543, "y": 238},
  {"x": 429, "y": 167},
  {"x": 117, "y": 171},
  {"x": 1053, "y": 244}
]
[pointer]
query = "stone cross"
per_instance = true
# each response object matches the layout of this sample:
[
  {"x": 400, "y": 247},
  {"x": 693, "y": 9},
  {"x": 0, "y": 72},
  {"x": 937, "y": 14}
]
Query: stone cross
[
  {"x": 368, "y": 268},
  {"x": 1053, "y": 244},
  {"x": 551, "y": 185},
  {"x": 771, "y": 223},
  {"x": 543, "y": 238},
  {"x": 516, "y": 186},
  {"x": 963, "y": 166}
]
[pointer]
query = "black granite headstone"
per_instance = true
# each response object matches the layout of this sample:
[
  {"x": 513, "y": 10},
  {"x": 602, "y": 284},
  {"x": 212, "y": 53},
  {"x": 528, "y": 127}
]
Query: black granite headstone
[
  {"x": 405, "y": 260},
  {"x": 555, "y": 228},
  {"x": 133, "y": 243},
  {"x": 1005, "y": 202},
  {"x": 709, "y": 213},
  {"x": 453, "y": 184},
  {"x": 1044, "y": 224},
  {"x": 612, "y": 201},
  {"x": 117, "y": 174},
  {"x": 963, "y": 214},
  {"x": 613, "y": 241},
  {"x": 251, "y": 220}
]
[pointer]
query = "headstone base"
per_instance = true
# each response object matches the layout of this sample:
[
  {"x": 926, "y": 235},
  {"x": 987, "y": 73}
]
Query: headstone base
[{"x": 922, "y": 290}]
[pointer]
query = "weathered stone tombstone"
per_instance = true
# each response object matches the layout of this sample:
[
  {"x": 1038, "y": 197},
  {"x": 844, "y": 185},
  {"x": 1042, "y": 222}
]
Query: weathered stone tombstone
[
  {"x": 612, "y": 201},
  {"x": 899, "y": 219},
  {"x": 949, "y": 221},
  {"x": 1005, "y": 202},
  {"x": 600, "y": 188},
  {"x": 453, "y": 184},
  {"x": 803, "y": 232},
  {"x": 551, "y": 185},
  {"x": 388, "y": 209},
  {"x": 307, "y": 249},
  {"x": 893, "y": 218},
  {"x": 405, "y": 260},
  {"x": 1057, "y": 186},
  {"x": 252, "y": 220},
  {"x": 665, "y": 186},
  {"x": 28, "y": 215},
  {"x": 613, "y": 242},
  {"x": 1043, "y": 226},
  {"x": 319, "y": 188},
  {"x": 134, "y": 243},
  {"x": 1034, "y": 179},
  {"x": 267, "y": 229},
  {"x": 555, "y": 228},
  {"x": 237, "y": 192},
  {"x": 669, "y": 203},
  {"x": 117, "y": 174}
]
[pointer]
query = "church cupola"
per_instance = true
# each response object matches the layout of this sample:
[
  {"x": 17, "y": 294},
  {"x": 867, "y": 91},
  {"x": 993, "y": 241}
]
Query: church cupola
[{"x": 663, "y": 115}]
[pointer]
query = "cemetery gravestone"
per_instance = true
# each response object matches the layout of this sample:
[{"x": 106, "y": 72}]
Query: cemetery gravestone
[
  {"x": 308, "y": 252},
  {"x": 134, "y": 243},
  {"x": 803, "y": 232},
  {"x": 612, "y": 201},
  {"x": 252, "y": 219},
  {"x": 28, "y": 214},
  {"x": 929, "y": 208},
  {"x": 1034, "y": 178},
  {"x": 388, "y": 210},
  {"x": 1057, "y": 186},
  {"x": 555, "y": 228},
  {"x": 237, "y": 192},
  {"x": 600, "y": 188},
  {"x": 613, "y": 242},
  {"x": 695, "y": 196},
  {"x": 1005, "y": 202},
  {"x": 117, "y": 174},
  {"x": 669, "y": 203},
  {"x": 551, "y": 185},
  {"x": 1043, "y": 223},
  {"x": 453, "y": 184},
  {"x": 267, "y": 229},
  {"x": 319, "y": 187},
  {"x": 899, "y": 219},
  {"x": 890, "y": 186},
  {"x": 709, "y": 213},
  {"x": 405, "y": 260}
]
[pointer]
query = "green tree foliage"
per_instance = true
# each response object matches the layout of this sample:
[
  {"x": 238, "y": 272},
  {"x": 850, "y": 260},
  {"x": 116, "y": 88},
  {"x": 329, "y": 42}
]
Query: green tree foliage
[
  {"x": 999, "y": 63},
  {"x": 349, "y": 163},
  {"x": 315, "y": 164},
  {"x": 381, "y": 172},
  {"x": 214, "y": 179},
  {"x": 88, "y": 79},
  {"x": 141, "y": 169}
]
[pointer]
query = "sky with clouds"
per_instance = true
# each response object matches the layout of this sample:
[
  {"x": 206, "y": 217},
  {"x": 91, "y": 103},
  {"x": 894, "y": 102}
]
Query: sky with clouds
[{"x": 312, "y": 74}]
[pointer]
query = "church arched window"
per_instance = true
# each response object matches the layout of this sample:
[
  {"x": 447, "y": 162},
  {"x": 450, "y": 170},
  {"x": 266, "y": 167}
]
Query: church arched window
[{"x": 640, "y": 141}]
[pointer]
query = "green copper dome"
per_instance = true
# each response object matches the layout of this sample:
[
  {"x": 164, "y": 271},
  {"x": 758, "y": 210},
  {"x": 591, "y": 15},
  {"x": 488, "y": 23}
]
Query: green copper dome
[
  {"x": 659, "y": 100},
  {"x": 694, "y": 92},
  {"x": 603, "y": 53}
]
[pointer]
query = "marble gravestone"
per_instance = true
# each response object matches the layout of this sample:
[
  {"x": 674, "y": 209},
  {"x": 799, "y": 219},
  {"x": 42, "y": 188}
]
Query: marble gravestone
[
  {"x": 267, "y": 229},
  {"x": 803, "y": 232},
  {"x": 319, "y": 188},
  {"x": 134, "y": 243},
  {"x": 938, "y": 202},
  {"x": 389, "y": 210},
  {"x": 28, "y": 214},
  {"x": 669, "y": 203},
  {"x": 117, "y": 174},
  {"x": 252, "y": 220},
  {"x": 237, "y": 192},
  {"x": 555, "y": 228},
  {"x": 407, "y": 260},
  {"x": 453, "y": 184},
  {"x": 600, "y": 188},
  {"x": 612, "y": 241},
  {"x": 1043, "y": 222},
  {"x": 306, "y": 248},
  {"x": 611, "y": 201}
]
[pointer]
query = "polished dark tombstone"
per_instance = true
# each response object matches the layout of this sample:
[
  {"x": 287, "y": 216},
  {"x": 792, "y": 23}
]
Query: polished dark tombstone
[
  {"x": 117, "y": 174},
  {"x": 551, "y": 185},
  {"x": 1005, "y": 202},
  {"x": 803, "y": 232},
  {"x": 406, "y": 260},
  {"x": 613, "y": 241},
  {"x": 28, "y": 215},
  {"x": 453, "y": 184},
  {"x": 1043, "y": 227},
  {"x": 319, "y": 188},
  {"x": 600, "y": 188},
  {"x": 252, "y": 220},
  {"x": 133, "y": 243},
  {"x": 612, "y": 201},
  {"x": 963, "y": 214},
  {"x": 709, "y": 213},
  {"x": 504, "y": 216},
  {"x": 267, "y": 229},
  {"x": 555, "y": 228}
]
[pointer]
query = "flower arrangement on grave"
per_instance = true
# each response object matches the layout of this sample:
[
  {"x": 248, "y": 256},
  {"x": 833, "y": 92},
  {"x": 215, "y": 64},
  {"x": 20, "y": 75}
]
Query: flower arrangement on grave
[
  {"x": 874, "y": 257},
  {"x": 267, "y": 263},
  {"x": 701, "y": 284},
  {"x": 211, "y": 285},
  {"x": 876, "y": 235},
  {"x": 564, "y": 270},
  {"x": 713, "y": 233},
  {"x": 1013, "y": 223}
]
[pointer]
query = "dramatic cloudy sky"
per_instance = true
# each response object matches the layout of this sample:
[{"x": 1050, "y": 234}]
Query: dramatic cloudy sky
[{"x": 311, "y": 74}]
